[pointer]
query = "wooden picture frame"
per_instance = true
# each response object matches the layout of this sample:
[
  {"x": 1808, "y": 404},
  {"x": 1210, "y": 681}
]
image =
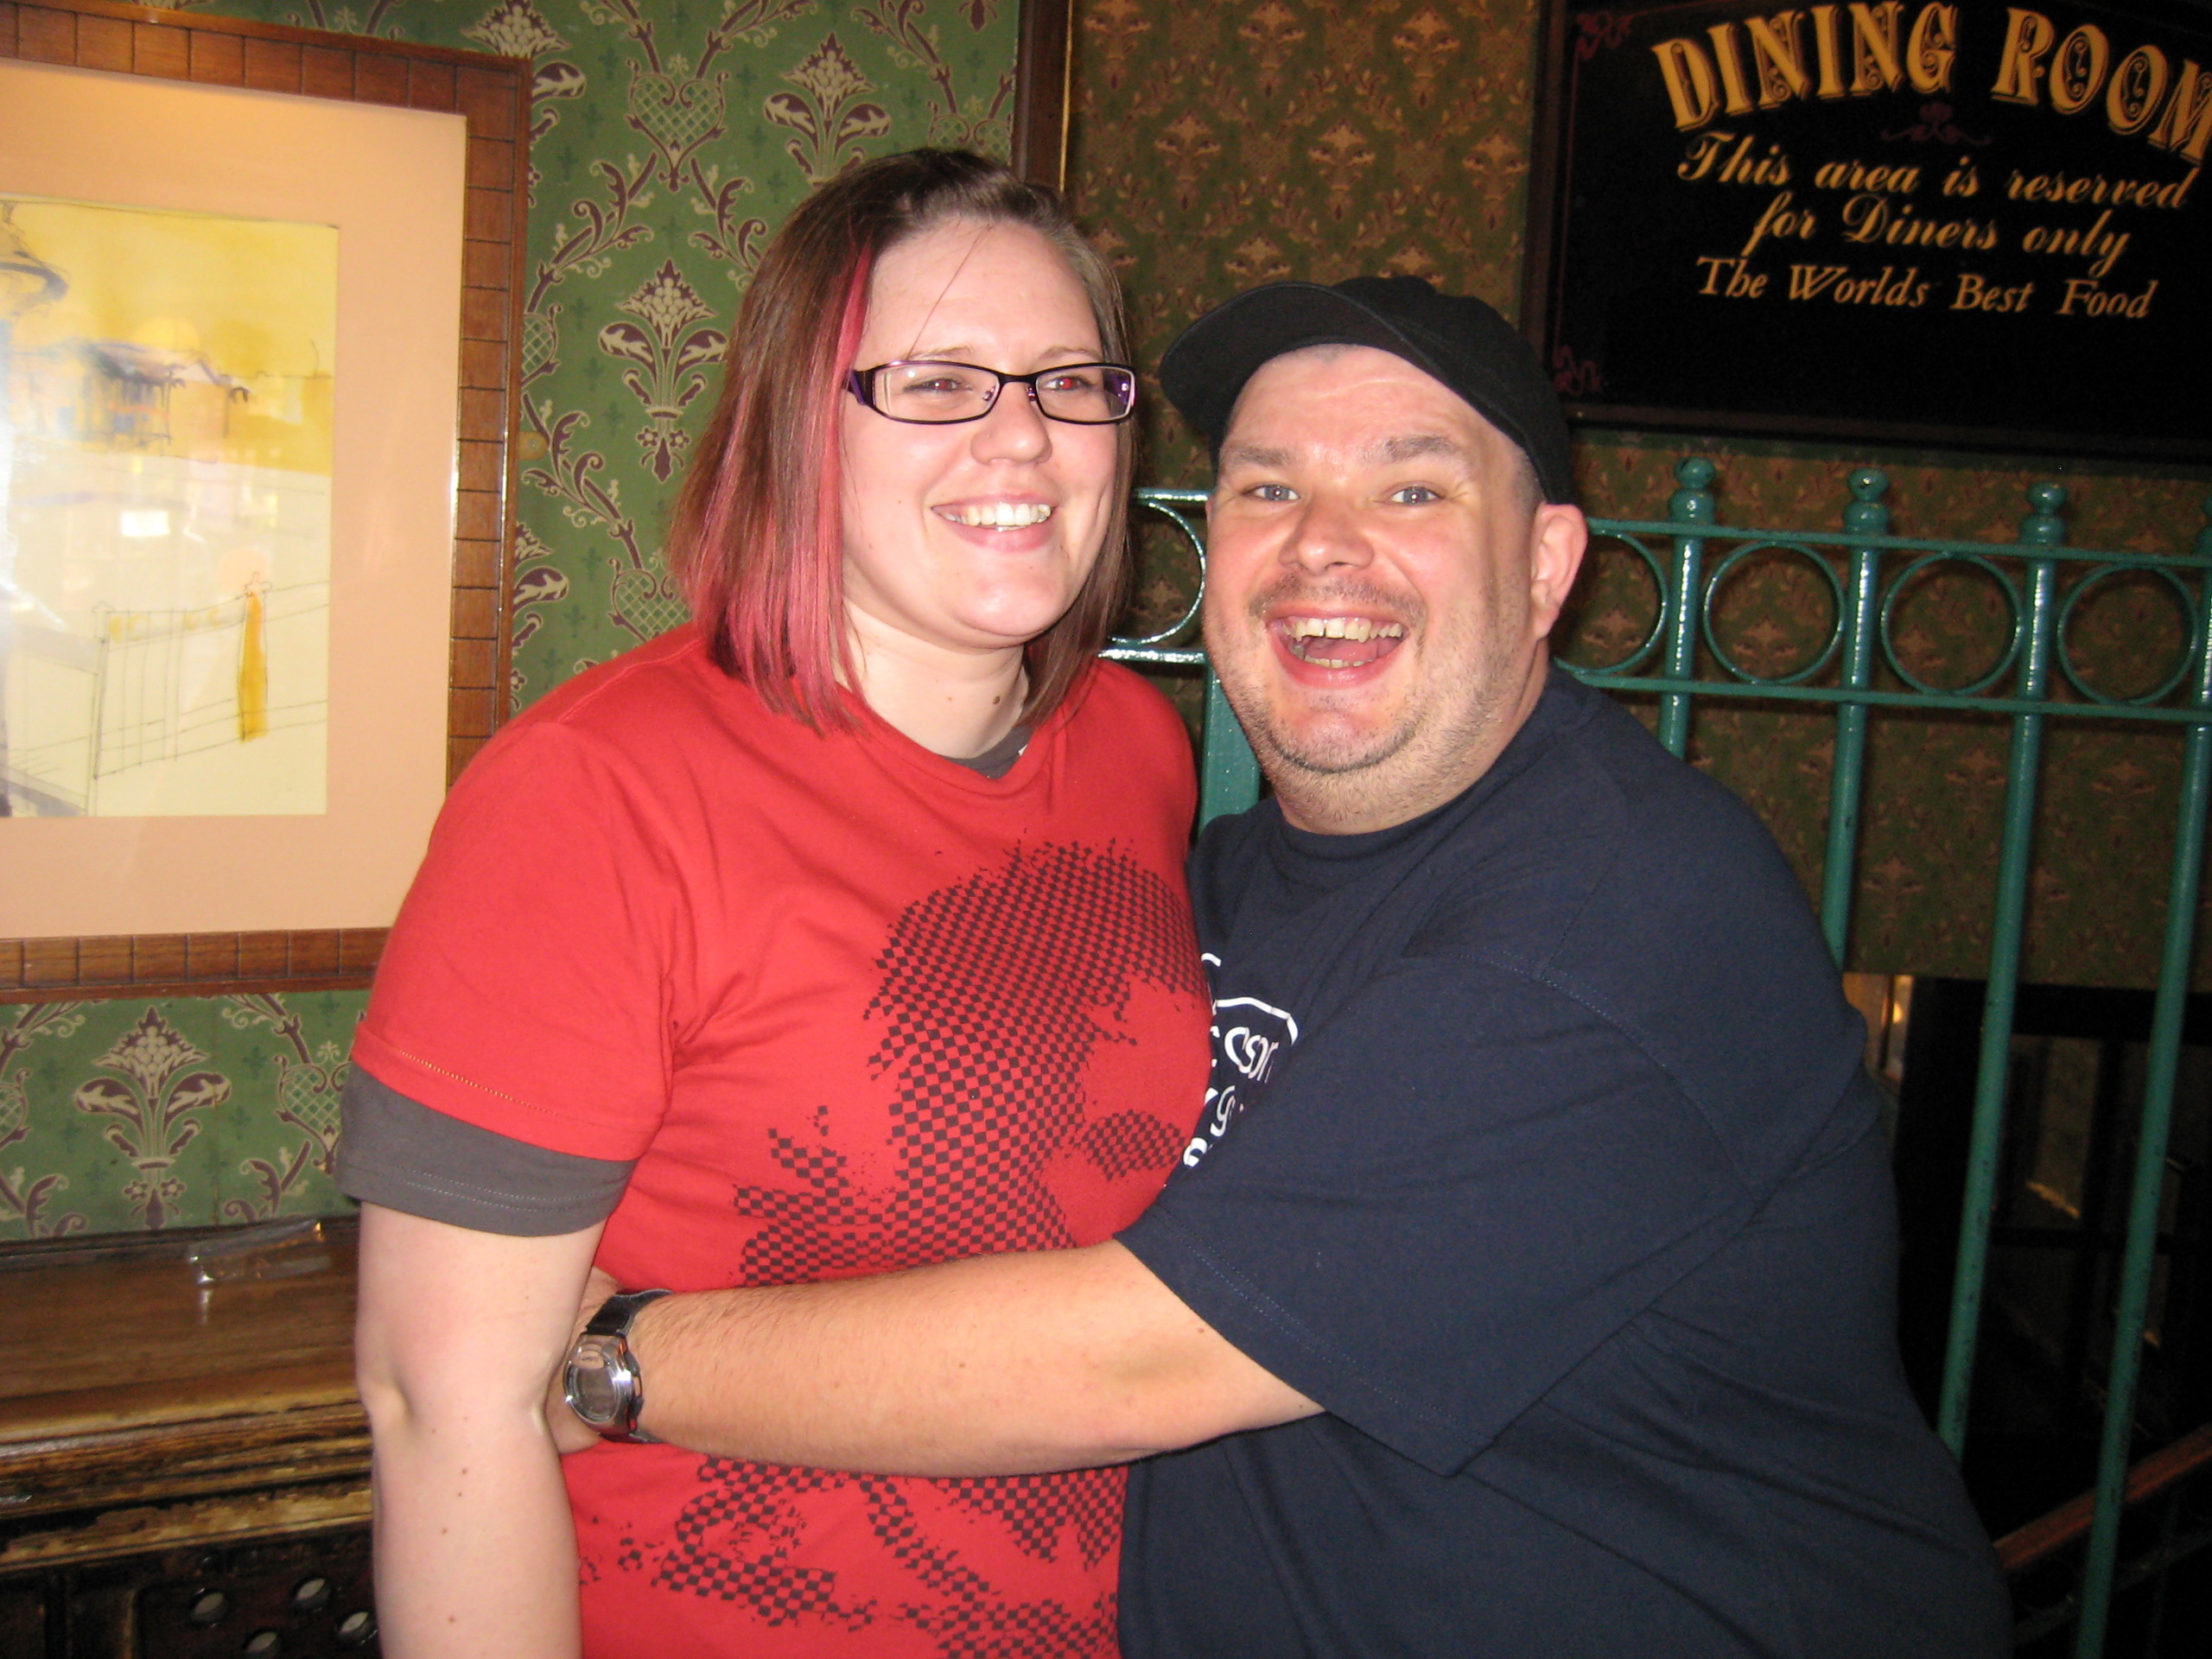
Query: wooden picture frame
[
  {"x": 1043, "y": 91},
  {"x": 1964, "y": 225},
  {"x": 492, "y": 95}
]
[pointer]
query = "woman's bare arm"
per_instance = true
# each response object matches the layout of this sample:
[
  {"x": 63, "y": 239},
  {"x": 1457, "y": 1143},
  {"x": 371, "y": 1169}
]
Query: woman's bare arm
[{"x": 457, "y": 1334}]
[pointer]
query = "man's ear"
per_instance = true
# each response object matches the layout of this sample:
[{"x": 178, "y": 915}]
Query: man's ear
[{"x": 1558, "y": 535}]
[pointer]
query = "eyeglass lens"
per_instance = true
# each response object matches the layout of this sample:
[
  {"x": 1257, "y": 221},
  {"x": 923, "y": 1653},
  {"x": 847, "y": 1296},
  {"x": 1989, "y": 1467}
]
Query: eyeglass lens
[{"x": 1090, "y": 393}]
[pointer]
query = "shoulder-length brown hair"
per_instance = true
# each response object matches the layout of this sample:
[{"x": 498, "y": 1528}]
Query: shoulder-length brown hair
[{"x": 756, "y": 540}]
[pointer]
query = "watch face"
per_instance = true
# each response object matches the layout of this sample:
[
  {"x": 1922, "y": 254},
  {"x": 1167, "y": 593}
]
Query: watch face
[{"x": 595, "y": 1393}]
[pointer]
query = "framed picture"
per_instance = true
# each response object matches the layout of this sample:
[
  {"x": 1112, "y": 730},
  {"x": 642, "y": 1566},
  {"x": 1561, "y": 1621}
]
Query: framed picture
[
  {"x": 1957, "y": 222},
  {"x": 1043, "y": 93},
  {"x": 258, "y": 297}
]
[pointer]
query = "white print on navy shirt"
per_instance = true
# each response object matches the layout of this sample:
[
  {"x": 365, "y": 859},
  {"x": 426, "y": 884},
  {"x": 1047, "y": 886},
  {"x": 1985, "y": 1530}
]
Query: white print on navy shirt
[{"x": 1249, "y": 1037}]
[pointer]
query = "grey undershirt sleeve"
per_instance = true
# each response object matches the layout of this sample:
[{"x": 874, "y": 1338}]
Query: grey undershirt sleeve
[{"x": 400, "y": 1153}]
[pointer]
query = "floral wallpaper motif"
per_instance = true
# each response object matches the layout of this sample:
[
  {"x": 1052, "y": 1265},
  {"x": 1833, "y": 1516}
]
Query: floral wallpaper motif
[
  {"x": 669, "y": 137},
  {"x": 1219, "y": 146},
  {"x": 184, "y": 1112}
]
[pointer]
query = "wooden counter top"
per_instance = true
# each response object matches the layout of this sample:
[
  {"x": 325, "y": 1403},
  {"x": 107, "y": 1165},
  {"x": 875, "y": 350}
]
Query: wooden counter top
[
  {"x": 222, "y": 1409},
  {"x": 126, "y": 1342}
]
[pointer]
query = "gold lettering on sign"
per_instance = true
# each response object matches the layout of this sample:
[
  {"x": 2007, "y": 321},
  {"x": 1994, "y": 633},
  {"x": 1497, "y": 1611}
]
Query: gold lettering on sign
[
  {"x": 2137, "y": 87},
  {"x": 2028, "y": 36},
  {"x": 1723, "y": 73},
  {"x": 1976, "y": 294},
  {"x": 2096, "y": 244},
  {"x": 1780, "y": 219},
  {"x": 2086, "y": 298},
  {"x": 1870, "y": 218},
  {"x": 2187, "y": 127},
  {"x": 1731, "y": 279},
  {"x": 1690, "y": 87},
  {"x": 1733, "y": 85},
  {"x": 2096, "y": 190},
  {"x": 1828, "y": 44},
  {"x": 1778, "y": 58},
  {"x": 1856, "y": 176},
  {"x": 2135, "y": 97},
  {"x": 1845, "y": 287},
  {"x": 1739, "y": 167},
  {"x": 1933, "y": 44},
  {"x": 2077, "y": 73},
  {"x": 1874, "y": 66}
]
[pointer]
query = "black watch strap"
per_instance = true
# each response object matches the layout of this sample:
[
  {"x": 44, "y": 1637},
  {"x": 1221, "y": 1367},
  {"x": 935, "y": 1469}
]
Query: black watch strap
[{"x": 616, "y": 1313}]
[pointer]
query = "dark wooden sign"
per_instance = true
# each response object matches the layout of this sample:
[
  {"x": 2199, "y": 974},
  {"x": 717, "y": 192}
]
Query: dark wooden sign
[{"x": 1972, "y": 223}]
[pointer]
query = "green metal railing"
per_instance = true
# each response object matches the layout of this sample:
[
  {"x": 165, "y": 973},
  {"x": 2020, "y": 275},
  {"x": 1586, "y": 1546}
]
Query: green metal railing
[{"x": 1865, "y": 571}]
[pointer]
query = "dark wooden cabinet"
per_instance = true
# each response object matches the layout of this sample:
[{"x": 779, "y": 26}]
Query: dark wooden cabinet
[{"x": 183, "y": 1463}]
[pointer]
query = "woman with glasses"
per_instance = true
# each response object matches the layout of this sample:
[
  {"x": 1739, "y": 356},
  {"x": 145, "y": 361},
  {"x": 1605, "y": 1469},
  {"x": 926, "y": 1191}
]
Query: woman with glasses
[{"x": 840, "y": 930}]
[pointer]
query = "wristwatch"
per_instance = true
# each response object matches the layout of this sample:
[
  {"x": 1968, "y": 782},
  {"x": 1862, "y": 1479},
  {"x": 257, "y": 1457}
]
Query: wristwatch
[{"x": 601, "y": 1381}]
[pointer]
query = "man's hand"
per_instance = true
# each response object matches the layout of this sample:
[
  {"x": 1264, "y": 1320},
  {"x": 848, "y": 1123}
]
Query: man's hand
[{"x": 570, "y": 1434}]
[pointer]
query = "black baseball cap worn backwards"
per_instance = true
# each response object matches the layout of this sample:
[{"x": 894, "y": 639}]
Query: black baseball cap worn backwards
[{"x": 1459, "y": 340}]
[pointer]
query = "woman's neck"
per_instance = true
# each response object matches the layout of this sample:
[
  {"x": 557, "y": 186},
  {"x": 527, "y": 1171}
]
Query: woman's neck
[{"x": 953, "y": 703}]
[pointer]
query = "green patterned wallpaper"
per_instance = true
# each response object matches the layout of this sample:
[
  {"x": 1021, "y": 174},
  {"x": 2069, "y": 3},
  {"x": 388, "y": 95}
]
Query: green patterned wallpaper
[
  {"x": 1217, "y": 146},
  {"x": 667, "y": 137}
]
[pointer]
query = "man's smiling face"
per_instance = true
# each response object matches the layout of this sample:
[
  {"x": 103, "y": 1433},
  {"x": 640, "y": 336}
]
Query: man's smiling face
[{"x": 1380, "y": 581}]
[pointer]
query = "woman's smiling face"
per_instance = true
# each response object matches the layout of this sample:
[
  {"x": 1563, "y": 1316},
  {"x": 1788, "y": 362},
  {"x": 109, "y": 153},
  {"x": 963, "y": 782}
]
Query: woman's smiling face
[{"x": 973, "y": 537}]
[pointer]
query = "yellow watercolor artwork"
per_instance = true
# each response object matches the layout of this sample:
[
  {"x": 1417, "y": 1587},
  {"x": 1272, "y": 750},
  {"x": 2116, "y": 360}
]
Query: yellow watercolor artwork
[{"x": 166, "y": 436}]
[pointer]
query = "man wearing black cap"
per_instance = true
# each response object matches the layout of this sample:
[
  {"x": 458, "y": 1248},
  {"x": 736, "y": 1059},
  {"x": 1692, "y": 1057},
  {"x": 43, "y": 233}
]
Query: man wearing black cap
[{"x": 1527, "y": 1290}]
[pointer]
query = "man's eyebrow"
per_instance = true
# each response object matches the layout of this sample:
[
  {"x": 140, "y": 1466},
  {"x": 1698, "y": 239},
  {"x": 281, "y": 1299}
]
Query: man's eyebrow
[
  {"x": 1394, "y": 450},
  {"x": 1254, "y": 454}
]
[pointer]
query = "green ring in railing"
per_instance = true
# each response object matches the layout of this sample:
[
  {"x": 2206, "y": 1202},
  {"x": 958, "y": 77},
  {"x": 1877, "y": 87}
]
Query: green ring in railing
[
  {"x": 1165, "y": 503},
  {"x": 2011, "y": 598},
  {"x": 2189, "y": 609},
  {"x": 1835, "y": 633},
  {"x": 1658, "y": 630}
]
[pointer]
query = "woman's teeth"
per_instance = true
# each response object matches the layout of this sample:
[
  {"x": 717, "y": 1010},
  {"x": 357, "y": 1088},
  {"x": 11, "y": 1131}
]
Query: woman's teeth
[
  {"x": 999, "y": 515},
  {"x": 1343, "y": 628}
]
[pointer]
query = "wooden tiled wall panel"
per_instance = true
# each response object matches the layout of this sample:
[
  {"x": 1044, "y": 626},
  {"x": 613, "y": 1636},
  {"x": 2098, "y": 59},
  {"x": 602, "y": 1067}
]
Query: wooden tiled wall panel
[
  {"x": 157, "y": 49},
  {"x": 217, "y": 59},
  {"x": 155, "y": 964},
  {"x": 492, "y": 93},
  {"x": 48, "y": 36},
  {"x": 273, "y": 66}
]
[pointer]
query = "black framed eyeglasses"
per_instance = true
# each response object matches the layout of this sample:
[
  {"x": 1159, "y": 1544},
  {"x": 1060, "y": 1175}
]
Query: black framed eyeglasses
[{"x": 932, "y": 393}]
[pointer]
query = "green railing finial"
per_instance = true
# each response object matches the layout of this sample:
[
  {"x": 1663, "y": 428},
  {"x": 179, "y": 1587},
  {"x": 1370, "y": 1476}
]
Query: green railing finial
[
  {"x": 1693, "y": 503},
  {"x": 2043, "y": 527},
  {"x": 1868, "y": 514}
]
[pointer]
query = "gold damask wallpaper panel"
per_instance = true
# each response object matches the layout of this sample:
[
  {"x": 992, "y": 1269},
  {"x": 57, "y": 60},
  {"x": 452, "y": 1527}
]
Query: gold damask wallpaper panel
[{"x": 1217, "y": 146}]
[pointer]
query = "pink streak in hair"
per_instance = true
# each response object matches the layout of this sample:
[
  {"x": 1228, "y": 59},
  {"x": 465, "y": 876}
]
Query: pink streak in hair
[{"x": 787, "y": 629}]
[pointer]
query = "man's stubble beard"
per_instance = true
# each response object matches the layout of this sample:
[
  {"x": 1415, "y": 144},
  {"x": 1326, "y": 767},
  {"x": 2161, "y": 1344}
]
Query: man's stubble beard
[{"x": 1347, "y": 773}]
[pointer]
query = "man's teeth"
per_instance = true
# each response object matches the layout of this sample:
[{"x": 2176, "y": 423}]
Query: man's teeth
[
  {"x": 1343, "y": 627},
  {"x": 1000, "y": 515}
]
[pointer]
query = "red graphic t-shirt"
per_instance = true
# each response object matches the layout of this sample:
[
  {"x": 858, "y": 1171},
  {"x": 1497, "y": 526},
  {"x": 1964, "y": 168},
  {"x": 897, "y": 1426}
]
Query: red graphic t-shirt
[{"x": 853, "y": 1008}]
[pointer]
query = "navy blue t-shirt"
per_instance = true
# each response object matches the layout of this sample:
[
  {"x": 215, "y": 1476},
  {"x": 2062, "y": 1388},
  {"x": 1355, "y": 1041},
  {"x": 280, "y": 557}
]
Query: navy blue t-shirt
[{"x": 1540, "y": 1153}]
